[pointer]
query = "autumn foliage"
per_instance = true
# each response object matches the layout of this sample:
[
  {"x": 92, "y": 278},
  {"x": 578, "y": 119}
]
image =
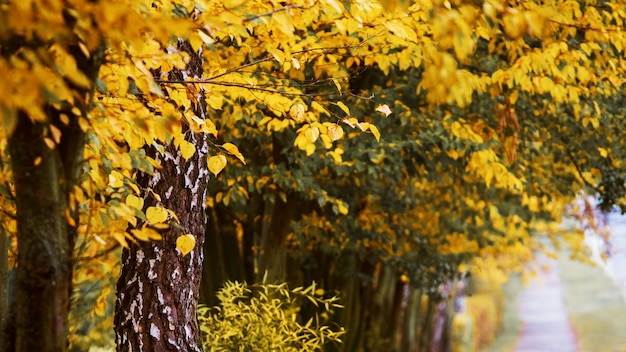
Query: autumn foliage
[{"x": 381, "y": 149}]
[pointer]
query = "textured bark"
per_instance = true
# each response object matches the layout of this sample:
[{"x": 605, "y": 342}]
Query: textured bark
[
  {"x": 4, "y": 281},
  {"x": 157, "y": 291},
  {"x": 43, "y": 179},
  {"x": 39, "y": 316}
]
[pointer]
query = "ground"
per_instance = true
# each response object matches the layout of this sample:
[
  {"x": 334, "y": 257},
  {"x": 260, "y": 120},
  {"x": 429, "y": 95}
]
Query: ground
[{"x": 572, "y": 307}]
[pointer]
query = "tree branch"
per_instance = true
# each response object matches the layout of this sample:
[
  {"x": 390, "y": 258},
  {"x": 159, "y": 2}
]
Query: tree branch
[{"x": 284, "y": 8}]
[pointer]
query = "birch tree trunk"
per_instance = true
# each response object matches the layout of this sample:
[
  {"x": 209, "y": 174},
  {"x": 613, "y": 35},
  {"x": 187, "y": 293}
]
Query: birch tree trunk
[{"x": 157, "y": 291}]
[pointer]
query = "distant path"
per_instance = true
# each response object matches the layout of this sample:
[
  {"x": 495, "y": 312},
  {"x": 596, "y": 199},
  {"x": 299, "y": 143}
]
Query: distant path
[
  {"x": 617, "y": 261},
  {"x": 545, "y": 323}
]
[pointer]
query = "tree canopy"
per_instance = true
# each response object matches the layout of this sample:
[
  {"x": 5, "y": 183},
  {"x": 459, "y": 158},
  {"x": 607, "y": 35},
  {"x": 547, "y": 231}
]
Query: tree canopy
[{"x": 414, "y": 140}]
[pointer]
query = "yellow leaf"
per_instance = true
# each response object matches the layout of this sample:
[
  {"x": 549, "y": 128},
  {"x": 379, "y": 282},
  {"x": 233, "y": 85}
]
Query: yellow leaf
[
  {"x": 295, "y": 63},
  {"x": 217, "y": 163},
  {"x": 337, "y": 84},
  {"x": 514, "y": 24},
  {"x": 335, "y": 132},
  {"x": 482, "y": 32},
  {"x": 215, "y": 101},
  {"x": 312, "y": 134},
  {"x": 603, "y": 152},
  {"x": 187, "y": 149},
  {"x": 352, "y": 122},
  {"x": 116, "y": 179},
  {"x": 310, "y": 149},
  {"x": 384, "y": 108},
  {"x": 49, "y": 142},
  {"x": 210, "y": 128},
  {"x": 336, "y": 155},
  {"x": 328, "y": 143},
  {"x": 343, "y": 107},
  {"x": 284, "y": 22},
  {"x": 536, "y": 23},
  {"x": 156, "y": 215},
  {"x": 401, "y": 30},
  {"x": 37, "y": 161},
  {"x": 206, "y": 38},
  {"x": 146, "y": 234},
  {"x": 120, "y": 237},
  {"x": 335, "y": 5},
  {"x": 395, "y": 5},
  {"x": 231, "y": 4},
  {"x": 9, "y": 121},
  {"x": 375, "y": 132},
  {"x": 67, "y": 66},
  {"x": 453, "y": 153},
  {"x": 69, "y": 218},
  {"x": 185, "y": 244},
  {"x": 297, "y": 112},
  {"x": 301, "y": 141},
  {"x": 196, "y": 41},
  {"x": 233, "y": 150},
  {"x": 56, "y": 133},
  {"x": 317, "y": 107},
  {"x": 134, "y": 202},
  {"x": 343, "y": 209}
]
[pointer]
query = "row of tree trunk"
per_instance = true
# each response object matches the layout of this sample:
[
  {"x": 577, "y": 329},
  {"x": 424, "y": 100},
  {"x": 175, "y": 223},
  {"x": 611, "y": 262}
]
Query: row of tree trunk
[
  {"x": 158, "y": 288},
  {"x": 381, "y": 313}
]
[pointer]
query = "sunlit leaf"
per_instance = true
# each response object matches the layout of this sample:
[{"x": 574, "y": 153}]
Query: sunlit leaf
[
  {"x": 335, "y": 132},
  {"x": 384, "y": 108},
  {"x": 185, "y": 244},
  {"x": 156, "y": 215},
  {"x": 217, "y": 163},
  {"x": 233, "y": 150},
  {"x": 134, "y": 202},
  {"x": 187, "y": 149},
  {"x": 146, "y": 234}
]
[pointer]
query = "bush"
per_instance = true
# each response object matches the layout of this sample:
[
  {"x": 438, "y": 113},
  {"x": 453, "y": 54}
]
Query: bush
[
  {"x": 487, "y": 316},
  {"x": 267, "y": 317},
  {"x": 463, "y": 339}
]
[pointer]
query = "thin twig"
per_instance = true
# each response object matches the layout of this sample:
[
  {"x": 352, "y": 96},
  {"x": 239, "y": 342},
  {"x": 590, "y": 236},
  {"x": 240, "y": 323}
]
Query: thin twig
[
  {"x": 587, "y": 27},
  {"x": 580, "y": 172},
  {"x": 284, "y": 8}
]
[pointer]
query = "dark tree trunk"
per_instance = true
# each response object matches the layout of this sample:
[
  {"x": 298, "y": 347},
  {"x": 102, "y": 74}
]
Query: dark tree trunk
[
  {"x": 272, "y": 252},
  {"x": 4, "y": 281},
  {"x": 44, "y": 271},
  {"x": 224, "y": 257},
  {"x": 157, "y": 291},
  {"x": 43, "y": 180}
]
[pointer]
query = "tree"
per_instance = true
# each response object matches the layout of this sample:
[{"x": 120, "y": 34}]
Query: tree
[
  {"x": 45, "y": 144},
  {"x": 498, "y": 117},
  {"x": 160, "y": 279},
  {"x": 88, "y": 100},
  {"x": 481, "y": 153},
  {"x": 53, "y": 53}
]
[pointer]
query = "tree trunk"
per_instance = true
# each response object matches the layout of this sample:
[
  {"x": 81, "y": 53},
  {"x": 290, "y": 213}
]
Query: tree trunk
[
  {"x": 43, "y": 179},
  {"x": 224, "y": 258},
  {"x": 157, "y": 291},
  {"x": 272, "y": 254},
  {"x": 4, "y": 281},
  {"x": 44, "y": 271}
]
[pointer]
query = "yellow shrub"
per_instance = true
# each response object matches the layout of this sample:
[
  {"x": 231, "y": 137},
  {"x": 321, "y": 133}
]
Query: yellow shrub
[
  {"x": 484, "y": 309},
  {"x": 463, "y": 339}
]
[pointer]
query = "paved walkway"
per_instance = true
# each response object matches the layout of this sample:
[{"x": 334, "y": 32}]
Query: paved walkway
[
  {"x": 573, "y": 307},
  {"x": 545, "y": 322}
]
